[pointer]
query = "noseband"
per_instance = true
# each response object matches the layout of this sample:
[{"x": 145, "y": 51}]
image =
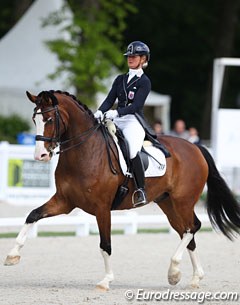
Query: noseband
[{"x": 55, "y": 139}]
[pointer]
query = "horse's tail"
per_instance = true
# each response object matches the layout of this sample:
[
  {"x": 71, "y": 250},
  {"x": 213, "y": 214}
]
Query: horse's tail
[{"x": 223, "y": 209}]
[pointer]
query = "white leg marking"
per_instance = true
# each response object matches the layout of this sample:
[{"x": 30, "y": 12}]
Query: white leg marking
[
  {"x": 174, "y": 274},
  {"x": 198, "y": 272},
  {"x": 14, "y": 255},
  {"x": 109, "y": 277}
]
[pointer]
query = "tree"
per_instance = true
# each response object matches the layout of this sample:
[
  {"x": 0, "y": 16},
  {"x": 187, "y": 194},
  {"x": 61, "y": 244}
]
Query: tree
[
  {"x": 95, "y": 43},
  {"x": 11, "y": 12},
  {"x": 184, "y": 38},
  {"x": 11, "y": 126}
]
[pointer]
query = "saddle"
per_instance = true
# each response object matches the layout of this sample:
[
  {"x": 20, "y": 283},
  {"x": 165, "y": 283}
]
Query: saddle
[
  {"x": 118, "y": 136},
  {"x": 151, "y": 135},
  {"x": 125, "y": 149},
  {"x": 150, "y": 139}
]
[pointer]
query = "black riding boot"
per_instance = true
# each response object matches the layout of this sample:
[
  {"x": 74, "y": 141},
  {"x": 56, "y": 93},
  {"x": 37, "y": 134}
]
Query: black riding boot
[{"x": 139, "y": 196}]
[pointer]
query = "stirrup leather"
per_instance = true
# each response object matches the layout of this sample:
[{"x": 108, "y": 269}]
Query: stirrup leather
[{"x": 139, "y": 194}]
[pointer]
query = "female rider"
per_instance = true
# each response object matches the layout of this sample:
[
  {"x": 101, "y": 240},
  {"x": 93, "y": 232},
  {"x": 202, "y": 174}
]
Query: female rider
[{"x": 131, "y": 90}]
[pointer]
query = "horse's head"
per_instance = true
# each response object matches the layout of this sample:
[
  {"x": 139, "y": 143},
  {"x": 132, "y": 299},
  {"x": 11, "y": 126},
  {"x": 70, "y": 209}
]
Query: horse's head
[{"x": 50, "y": 124}]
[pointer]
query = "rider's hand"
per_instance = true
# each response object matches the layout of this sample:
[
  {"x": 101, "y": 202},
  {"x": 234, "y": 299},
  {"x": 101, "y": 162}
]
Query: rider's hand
[
  {"x": 111, "y": 114},
  {"x": 98, "y": 115}
]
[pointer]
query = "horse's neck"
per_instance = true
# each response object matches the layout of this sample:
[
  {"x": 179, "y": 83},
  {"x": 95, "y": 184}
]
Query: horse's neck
[
  {"x": 85, "y": 142},
  {"x": 84, "y": 159},
  {"x": 78, "y": 123}
]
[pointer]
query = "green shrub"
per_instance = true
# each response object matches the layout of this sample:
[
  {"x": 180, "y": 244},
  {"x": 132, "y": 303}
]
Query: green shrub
[{"x": 10, "y": 127}]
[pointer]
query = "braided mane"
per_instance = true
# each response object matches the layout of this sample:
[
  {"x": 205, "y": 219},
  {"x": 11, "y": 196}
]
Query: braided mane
[{"x": 80, "y": 104}]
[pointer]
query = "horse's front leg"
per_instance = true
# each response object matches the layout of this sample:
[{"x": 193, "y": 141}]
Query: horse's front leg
[
  {"x": 53, "y": 207},
  {"x": 104, "y": 225},
  {"x": 13, "y": 256}
]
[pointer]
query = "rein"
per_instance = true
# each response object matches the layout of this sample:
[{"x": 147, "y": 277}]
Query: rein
[
  {"x": 87, "y": 134},
  {"x": 109, "y": 147},
  {"x": 56, "y": 138}
]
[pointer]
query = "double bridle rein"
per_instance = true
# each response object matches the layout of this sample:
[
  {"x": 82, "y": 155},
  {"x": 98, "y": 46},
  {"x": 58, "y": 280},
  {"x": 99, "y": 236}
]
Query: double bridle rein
[
  {"x": 57, "y": 137},
  {"x": 83, "y": 137}
]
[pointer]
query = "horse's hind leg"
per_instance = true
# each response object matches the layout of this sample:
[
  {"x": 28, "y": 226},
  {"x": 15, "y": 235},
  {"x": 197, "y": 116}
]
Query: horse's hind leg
[
  {"x": 104, "y": 225},
  {"x": 198, "y": 272},
  {"x": 175, "y": 220},
  {"x": 186, "y": 228},
  {"x": 51, "y": 208}
]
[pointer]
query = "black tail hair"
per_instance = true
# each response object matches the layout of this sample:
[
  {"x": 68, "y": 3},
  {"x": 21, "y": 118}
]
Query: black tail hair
[{"x": 223, "y": 209}]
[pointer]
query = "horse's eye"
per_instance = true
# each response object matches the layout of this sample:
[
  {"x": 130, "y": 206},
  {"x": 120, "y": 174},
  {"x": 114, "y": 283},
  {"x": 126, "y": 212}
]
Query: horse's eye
[{"x": 49, "y": 120}]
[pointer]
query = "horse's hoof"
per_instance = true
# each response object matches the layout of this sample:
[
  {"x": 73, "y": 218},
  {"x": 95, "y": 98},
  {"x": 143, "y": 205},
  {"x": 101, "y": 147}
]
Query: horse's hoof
[
  {"x": 174, "y": 278},
  {"x": 196, "y": 280},
  {"x": 194, "y": 285},
  {"x": 102, "y": 288},
  {"x": 12, "y": 260}
]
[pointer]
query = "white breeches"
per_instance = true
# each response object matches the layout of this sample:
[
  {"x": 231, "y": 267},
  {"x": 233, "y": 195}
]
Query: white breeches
[{"x": 133, "y": 132}]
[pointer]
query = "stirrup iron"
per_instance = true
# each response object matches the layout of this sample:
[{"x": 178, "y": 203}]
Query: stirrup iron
[{"x": 143, "y": 197}]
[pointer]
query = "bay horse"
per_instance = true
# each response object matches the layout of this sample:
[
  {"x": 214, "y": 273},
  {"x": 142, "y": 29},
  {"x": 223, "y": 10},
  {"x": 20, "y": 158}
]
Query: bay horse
[{"x": 85, "y": 180}]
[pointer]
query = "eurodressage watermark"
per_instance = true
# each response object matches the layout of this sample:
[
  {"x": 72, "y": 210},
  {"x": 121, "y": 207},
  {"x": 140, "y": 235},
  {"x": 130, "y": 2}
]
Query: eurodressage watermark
[{"x": 168, "y": 295}]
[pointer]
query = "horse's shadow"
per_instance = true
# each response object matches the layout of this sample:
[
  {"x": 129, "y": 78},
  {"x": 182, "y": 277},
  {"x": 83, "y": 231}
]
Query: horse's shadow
[{"x": 87, "y": 285}]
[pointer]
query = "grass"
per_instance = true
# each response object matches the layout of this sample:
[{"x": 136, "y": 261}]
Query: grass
[
  {"x": 8, "y": 235},
  {"x": 72, "y": 233}
]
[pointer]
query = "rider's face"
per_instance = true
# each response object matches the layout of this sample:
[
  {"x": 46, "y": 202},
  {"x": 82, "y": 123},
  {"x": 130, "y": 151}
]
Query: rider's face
[{"x": 135, "y": 62}]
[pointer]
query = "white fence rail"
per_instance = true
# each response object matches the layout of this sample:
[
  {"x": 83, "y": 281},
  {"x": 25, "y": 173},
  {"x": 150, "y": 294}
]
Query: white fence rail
[
  {"x": 25, "y": 181},
  {"x": 84, "y": 223}
]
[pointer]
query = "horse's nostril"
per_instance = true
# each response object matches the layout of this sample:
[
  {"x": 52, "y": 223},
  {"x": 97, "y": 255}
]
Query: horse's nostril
[{"x": 43, "y": 156}]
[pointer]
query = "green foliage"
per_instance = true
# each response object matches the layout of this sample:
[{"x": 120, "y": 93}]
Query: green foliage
[
  {"x": 6, "y": 17},
  {"x": 10, "y": 12},
  {"x": 11, "y": 126},
  {"x": 181, "y": 46},
  {"x": 184, "y": 38},
  {"x": 94, "y": 45}
]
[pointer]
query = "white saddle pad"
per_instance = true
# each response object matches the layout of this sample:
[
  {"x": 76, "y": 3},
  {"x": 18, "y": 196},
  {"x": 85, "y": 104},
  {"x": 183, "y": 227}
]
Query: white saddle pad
[{"x": 155, "y": 168}]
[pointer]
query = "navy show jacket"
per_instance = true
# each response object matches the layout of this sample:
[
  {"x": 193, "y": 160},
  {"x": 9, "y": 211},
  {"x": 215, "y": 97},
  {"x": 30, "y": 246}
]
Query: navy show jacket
[{"x": 131, "y": 96}]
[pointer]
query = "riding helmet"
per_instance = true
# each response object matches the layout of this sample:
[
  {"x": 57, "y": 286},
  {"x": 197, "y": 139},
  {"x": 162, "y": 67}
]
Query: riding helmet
[{"x": 138, "y": 48}]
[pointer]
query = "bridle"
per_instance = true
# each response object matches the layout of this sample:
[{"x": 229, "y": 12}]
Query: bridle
[
  {"x": 56, "y": 139},
  {"x": 83, "y": 137}
]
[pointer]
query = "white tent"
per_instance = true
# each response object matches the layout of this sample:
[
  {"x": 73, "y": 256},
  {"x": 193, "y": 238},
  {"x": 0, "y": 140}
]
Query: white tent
[
  {"x": 25, "y": 60},
  {"x": 161, "y": 104},
  {"x": 25, "y": 63}
]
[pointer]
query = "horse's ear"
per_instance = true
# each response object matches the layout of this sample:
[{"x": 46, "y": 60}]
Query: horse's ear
[{"x": 31, "y": 97}]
